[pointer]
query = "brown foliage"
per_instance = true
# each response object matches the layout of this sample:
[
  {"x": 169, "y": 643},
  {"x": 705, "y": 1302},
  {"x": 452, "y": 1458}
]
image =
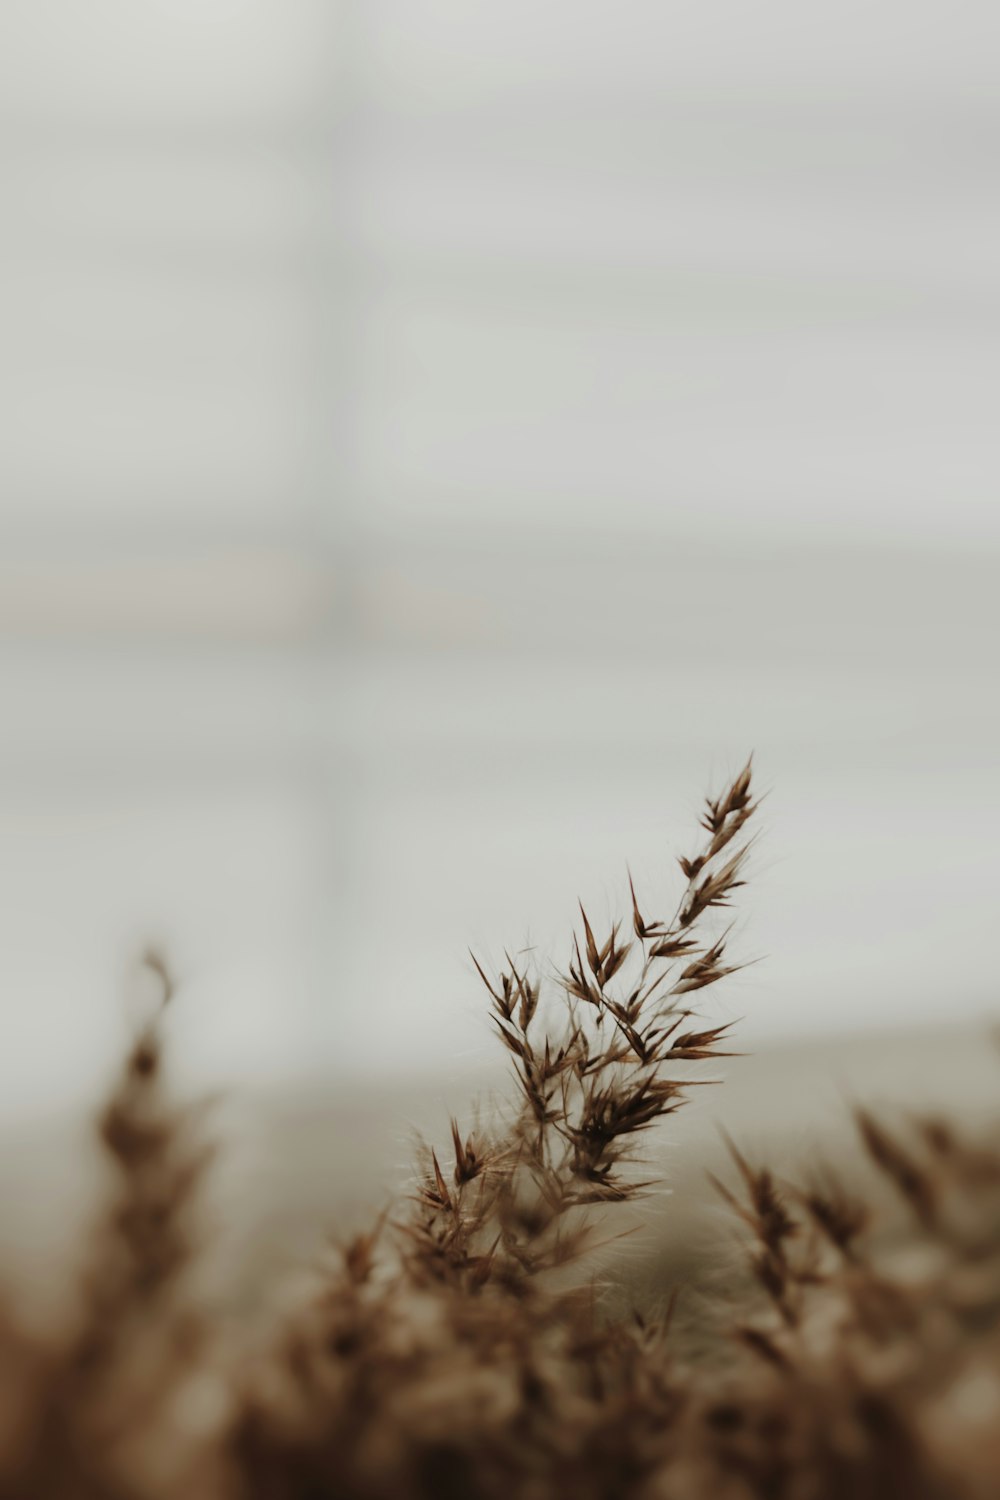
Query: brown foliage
[{"x": 453, "y": 1352}]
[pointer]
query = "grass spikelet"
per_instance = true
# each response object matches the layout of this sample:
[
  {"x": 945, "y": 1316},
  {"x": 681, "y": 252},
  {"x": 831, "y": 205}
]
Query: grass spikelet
[{"x": 459, "y": 1347}]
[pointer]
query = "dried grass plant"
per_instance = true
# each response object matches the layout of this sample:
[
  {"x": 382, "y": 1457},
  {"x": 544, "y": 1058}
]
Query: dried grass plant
[{"x": 457, "y": 1348}]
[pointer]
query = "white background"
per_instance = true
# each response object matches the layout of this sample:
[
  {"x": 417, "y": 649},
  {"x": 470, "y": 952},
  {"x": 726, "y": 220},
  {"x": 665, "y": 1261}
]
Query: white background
[{"x": 438, "y": 442}]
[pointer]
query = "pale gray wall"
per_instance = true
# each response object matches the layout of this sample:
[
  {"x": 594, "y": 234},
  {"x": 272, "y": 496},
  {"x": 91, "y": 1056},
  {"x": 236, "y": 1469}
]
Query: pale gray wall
[{"x": 438, "y": 441}]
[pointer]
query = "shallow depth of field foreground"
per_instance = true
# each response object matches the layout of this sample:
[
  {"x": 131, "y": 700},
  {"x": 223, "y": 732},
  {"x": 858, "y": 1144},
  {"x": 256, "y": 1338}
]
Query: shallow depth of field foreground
[{"x": 530, "y": 1317}]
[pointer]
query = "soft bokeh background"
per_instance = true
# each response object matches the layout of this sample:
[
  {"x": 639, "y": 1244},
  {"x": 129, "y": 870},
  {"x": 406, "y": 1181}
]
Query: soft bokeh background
[{"x": 438, "y": 442}]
